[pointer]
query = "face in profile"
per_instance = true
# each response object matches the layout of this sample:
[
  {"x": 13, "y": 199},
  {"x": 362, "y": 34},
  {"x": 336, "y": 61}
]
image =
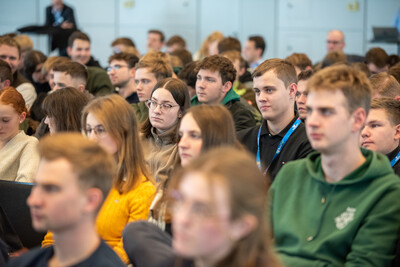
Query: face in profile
[
  {"x": 56, "y": 201},
  {"x": 96, "y": 131},
  {"x": 201, "y": 218},
  {"x": 119, "y": 73},
  {"x": 164, "y": 112},
  {"x": 9, "y": 122},
  {"x": 379, "y": 134},
  {"x": 191, "y": 141},
  {"x": 51, "y": 123},
  {"x": 145, "y": 82}
]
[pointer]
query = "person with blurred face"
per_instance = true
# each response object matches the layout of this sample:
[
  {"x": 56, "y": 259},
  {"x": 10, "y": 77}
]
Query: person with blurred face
[
  {"x": 253, "y": 51},
  {"x": 381, "y": 132},
  {"x": 281, "y": 137},
  {"x": 72, "y": 181},
  {"x": 121, "y": 71},
  {"x": 5, "y": 75},
  {"x": 10, "y": 52},
  {"x": 155, "y": 41},
  {"x": 70, "y": 74},
  {"x": 19, "y": 158},
  {"x": 79, "y": 49},
  {"x": 301, "y": 94},
  {"x": 335, "y": 41},
  {"x": 354, "y": 191}
]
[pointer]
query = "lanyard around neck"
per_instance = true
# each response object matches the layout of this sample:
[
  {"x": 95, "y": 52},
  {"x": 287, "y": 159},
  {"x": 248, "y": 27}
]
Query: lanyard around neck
[
  {"x": 395, "y": 160},
  {"x": 281, "y": 144}
]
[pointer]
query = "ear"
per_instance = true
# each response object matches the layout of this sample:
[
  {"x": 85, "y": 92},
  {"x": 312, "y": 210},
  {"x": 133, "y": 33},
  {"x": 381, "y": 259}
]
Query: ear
[
  {"x": 132, "y": 73},
  {"x": 180, "y": 114},
  {"x": 359, "y": 117},
  {"x": 94, "y": 198},
  {"x": 292, "y": 90},
  {"x": 226, "y": 87},
  {"x": 81, "y": 88},
  {"x": 7, "y": 83},
  {"x": 69, "y": 50},
  {"x": 243, "y": 226},
  {"x": 397, "y": 98},
  {"x": 397, "y": 133},
  {"x": 22, "y": 117},
  {"x": 242, "y": 71}
]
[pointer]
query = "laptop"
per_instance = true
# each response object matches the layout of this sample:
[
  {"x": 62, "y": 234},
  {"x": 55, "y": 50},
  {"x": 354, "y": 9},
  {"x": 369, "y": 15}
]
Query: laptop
[{"x": 385, "y": 34}]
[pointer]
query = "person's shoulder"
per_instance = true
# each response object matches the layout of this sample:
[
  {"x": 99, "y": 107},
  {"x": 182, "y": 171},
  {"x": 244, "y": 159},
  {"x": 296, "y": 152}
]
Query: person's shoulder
[
  {"x": 35, "y": 257},
  {"x": 104, "y": 256},
  {"x": 245, "y": 134}
]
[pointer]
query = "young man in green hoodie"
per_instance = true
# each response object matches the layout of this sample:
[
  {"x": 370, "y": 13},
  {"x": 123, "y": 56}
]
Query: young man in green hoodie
[
  {"x": 339, "y": 206},
  {"x": 215, "y": 77}
]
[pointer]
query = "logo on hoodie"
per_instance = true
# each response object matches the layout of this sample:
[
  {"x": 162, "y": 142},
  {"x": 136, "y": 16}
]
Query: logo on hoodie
[{"x": 343, "y": 219}]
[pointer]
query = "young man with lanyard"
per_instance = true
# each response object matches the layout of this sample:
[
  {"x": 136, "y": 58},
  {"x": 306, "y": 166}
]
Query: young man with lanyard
[
  {"x": 281, "y": 136},
  {"x": 339, "y": 206},
  {"x": 381, "y": 132}
]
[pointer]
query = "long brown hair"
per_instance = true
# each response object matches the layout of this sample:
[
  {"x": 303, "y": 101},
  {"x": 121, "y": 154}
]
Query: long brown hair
[
  {"x": 247, "y": 193},
  {"x": 119, "y": 120}
]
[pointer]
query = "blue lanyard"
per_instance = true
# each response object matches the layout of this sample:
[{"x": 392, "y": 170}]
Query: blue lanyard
[
  {"x": 395, "y": 160},
  {"x": 281, "y": 144}
]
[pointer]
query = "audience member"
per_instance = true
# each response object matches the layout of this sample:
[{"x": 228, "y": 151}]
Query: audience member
[
  {"x": 281, "y": 137},
  {"x": 72, "y": 181},
  {"x": 167, "y": 103},
  {"x": 334, "y": 58},
  {"x": 300, "y": 61},
  {"x": 377, "y": 60},
  {"x": 253, "y": 51},
  {"x": 361, "y": 66},
  {"x": 184, "y": 55},
  {"x": 329, "y": 207},
  {"x": 121, "y": 44},
  {"x": 63, "y": 110},
  {"x": 215, "y": 77},
  {"x": 19, "y": 158},
  {"x": 26, "y": 45},
  {"x": 382, "y": 130},
  {"x": 218, "y": 208},
  {"x": 174, "y": 43},
  {"x": 395, "y": 71},
  {"x": 209, "y": 46},
  {"x": 6, "y": 76},
  {"x": 229, "y": 43},
  {"x": 301, "y": 94},
  {"x": 70, "y": 74},
  {"x": 393, "y": 60},
  {"x": 335, "y": 42},
  {"x": 151, "y": 69},
  {"x": 155, "y": 40},
  {"x": 79, "y": 49},
  {"x": 47, "y": 69},
  {"x": 385, "y": 85},
  {"x": 121, "y": 71},
  {"x": 11, "y": 52},
  {"x": 189, "y": 76}
]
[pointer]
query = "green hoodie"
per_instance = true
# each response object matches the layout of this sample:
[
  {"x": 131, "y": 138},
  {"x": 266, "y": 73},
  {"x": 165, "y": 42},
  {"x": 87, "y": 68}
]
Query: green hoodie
[
  {"x": 354, "y": 222},
  {"x": 231, "y": 95}
]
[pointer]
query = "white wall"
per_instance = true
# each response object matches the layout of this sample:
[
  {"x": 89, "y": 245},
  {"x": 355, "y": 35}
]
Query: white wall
[{"x": 287, "y": 25}]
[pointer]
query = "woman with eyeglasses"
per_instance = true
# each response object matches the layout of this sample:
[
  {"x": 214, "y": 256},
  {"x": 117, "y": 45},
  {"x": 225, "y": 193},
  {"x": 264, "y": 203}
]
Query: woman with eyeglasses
[
  {"x": 167, "y": 104},
  {"x": 111, "y": 122}
]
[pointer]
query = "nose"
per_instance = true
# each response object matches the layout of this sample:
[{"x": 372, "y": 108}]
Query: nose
[
  {"x": 33, "y": 198},
  {"x": 92, "y": 136},
  {"x": 139, "y": 86},
  {"x": 302, "y": 99},
  {"x": 182, "y": 142},
  {"x": 200, "y": 84},
  {"x": 158, "y": 109},
  {"x": 365, "y": 132},
  {"x": 312, "y": 119}
]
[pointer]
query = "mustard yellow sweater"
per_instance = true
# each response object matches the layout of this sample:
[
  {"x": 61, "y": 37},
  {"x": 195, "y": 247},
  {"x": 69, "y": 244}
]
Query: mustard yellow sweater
[{"x": 117, "y": 211}]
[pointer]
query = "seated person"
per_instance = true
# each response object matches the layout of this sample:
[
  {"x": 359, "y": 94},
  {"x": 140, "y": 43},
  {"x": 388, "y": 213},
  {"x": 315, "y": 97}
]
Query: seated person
[
  {"x": 72, "y": 181},
  {"x": 5, "y": 75},
  {"x": 339, "y": 206},
  {"x": 385, "y": 85},
  {"x": 167, "y": 104},
  {"x": 381, "y": 132},
  {"x": 377, "y": 60},
  {"x": 18, "y": 152},
  {"x": 218, "y": 213},
  {"x": 301, "y": 94},
  {"x": 300, "y": 61}
]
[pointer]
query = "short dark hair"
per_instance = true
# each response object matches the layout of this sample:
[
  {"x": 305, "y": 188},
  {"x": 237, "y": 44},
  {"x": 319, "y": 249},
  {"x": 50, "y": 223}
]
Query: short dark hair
[
  {"x": 300, "y": 60},
  {"x": 9, "y": 41},
  {"x": 31, "y": 61},
  {"x": 176, "y": 39},
  {"x": 188, "y": 74},
  {"x": 218, "y": 63},
  {"x": 160, "y": 33},
  {"x": 259, "y": 42},
  {"x": 385, "y": 85},
  {"x": 77, "y": 35},
  {"x": 5, "y": 71},
  {"x": 395, "y": 71},
  {"x": 129, "y": 58},
  {"x": 283, "y": 70},
  {"x": 123, "y": 41},
  {"x": 229, "y": 43},
  {"x": 377, "y": 56},
  {"x": 74, "y": 69},
  {"x": 304, "y": 75},
  {"x": 184, "y": 55}
]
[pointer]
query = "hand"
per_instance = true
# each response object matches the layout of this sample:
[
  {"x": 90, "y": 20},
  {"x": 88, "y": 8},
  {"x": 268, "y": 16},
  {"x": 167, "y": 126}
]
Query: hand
[{"x": 67, "y": 25}]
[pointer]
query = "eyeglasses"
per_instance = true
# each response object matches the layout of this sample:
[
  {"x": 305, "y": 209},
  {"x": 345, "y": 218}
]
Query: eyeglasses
[
  {"x": 116, "y": 67},
  {"x": 98, "y": 130},
  {"x": 333, "y": 42},
  {"x": 151, "y": 104}
]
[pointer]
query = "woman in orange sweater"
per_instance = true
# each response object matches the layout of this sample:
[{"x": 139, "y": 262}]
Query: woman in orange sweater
[{"x": 111, "y": 122}]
